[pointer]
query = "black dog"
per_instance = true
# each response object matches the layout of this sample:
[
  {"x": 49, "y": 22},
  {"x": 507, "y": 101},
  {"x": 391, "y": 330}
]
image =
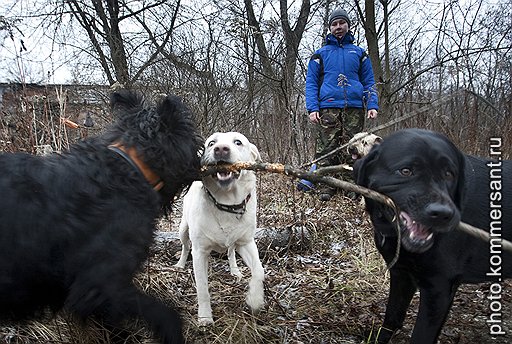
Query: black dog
[
  {"x": 435, "y": 185},
  {"x": 75, "y": 227}
]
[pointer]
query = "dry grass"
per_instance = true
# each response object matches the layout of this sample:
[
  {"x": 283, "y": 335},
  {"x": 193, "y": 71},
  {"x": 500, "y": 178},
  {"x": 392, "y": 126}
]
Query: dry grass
[
  {"x": 319, "y": 289},
  {"x": 328, "y": 287}
]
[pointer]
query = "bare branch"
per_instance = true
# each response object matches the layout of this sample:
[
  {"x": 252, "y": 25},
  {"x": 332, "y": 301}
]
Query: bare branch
[{"x": 316, "y": 177}]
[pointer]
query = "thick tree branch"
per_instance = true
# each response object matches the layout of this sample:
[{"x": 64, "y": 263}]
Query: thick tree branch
[{"x": 317, "y": 177}]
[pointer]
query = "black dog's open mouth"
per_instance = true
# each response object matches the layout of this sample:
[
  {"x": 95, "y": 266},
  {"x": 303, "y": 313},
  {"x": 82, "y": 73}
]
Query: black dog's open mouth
[{"x": 415, "y": 237}]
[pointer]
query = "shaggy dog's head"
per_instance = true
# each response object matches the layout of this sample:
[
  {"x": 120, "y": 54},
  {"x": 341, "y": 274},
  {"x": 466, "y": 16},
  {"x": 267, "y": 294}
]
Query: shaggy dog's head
[
  {"x": 360, "y": 145},
  {"x": 422, "y": 172},
  {"x": 164, "y": 136}
]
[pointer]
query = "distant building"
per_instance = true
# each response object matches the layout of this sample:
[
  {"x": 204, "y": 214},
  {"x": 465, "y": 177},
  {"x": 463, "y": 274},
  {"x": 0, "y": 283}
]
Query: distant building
[{"x": 34, "y": 116}]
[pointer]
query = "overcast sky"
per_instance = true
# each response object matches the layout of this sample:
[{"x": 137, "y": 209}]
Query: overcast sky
[
  {"x": 27, "y": 55},
  {"x": 44, "y": 61}
]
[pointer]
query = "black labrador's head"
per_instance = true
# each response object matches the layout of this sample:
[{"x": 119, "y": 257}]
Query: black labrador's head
[{"x": 422, "y": 172}]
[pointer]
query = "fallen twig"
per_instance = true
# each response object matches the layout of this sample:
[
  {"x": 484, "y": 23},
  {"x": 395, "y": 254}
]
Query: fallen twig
[{"x": 318, "y": 176}]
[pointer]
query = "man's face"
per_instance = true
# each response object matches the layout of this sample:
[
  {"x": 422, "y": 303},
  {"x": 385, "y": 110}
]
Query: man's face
[{"x": 339, "y": 28}]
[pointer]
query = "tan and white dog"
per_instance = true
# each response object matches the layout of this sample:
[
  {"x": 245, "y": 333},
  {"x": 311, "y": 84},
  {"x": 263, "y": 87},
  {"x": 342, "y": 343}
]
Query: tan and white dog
[
  {"x": 219, "y": 213},
  {"x": 360, "y": 145}
]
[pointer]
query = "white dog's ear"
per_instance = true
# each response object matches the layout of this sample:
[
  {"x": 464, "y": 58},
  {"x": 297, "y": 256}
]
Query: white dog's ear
[{"x": 255, "y": 153}]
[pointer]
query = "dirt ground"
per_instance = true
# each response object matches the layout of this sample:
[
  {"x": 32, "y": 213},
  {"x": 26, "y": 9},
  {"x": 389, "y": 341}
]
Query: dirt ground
[{"x": 327, "y": 285}]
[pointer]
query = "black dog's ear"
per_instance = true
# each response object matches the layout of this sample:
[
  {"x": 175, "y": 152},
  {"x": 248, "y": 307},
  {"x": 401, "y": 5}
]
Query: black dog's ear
[
  {"x": 171, "y": 104},
  {"x": 361, "y": 166},
  {"x": 168, "y": 110},
  {"x": 460, "y": 188},
  {"x": 126, "y": 101}
]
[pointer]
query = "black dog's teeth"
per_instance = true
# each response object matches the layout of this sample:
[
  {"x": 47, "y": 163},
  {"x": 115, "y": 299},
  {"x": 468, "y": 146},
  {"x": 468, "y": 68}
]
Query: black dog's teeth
[{"x": 415, "y": 231}]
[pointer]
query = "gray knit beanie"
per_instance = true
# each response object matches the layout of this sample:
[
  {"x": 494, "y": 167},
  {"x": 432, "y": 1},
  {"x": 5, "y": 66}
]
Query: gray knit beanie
[{"x": 339, "y": 13}]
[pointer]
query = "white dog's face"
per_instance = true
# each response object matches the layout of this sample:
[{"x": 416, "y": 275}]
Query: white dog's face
[
  {"x": 230, "y": 147},
  {"x": 361, "y": 143}
]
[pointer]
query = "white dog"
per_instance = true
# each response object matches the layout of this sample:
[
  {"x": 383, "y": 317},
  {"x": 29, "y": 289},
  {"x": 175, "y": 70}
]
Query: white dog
[
  {"x": 219, "y": 214},
  {"x": 361, "y": 143}
]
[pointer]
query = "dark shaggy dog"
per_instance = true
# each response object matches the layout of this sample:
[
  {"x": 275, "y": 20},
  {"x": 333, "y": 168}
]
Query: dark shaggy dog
[
  {"x": 435, "y": 185},
  {"x": 75, "y": 227}
]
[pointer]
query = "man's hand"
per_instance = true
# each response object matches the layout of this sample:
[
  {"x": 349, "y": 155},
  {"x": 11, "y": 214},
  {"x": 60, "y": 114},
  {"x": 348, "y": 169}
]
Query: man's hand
[
  {"x": 314, "y": 117},
  {"x": 371, "y": 113}
]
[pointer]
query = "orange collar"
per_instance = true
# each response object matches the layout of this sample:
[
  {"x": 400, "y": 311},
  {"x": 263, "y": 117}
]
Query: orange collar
[{"x": 130, "y": 154}]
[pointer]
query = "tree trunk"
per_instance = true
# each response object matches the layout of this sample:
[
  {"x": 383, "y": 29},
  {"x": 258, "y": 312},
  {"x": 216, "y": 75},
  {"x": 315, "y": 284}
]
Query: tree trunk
[{"x": 372, "y": 39}]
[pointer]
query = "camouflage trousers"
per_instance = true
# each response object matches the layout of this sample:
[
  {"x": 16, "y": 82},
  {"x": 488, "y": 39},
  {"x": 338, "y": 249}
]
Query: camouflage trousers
[{"x": 336, "y": 127}]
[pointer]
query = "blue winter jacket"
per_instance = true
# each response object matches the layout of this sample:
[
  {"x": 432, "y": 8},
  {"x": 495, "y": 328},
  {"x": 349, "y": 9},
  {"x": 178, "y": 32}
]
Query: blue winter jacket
[{"x": 344, "y": 73}]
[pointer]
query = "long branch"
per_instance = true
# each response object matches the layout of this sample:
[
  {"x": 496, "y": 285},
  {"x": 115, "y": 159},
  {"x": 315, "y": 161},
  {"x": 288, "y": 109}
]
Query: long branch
[{"x": 317, "y": 177}]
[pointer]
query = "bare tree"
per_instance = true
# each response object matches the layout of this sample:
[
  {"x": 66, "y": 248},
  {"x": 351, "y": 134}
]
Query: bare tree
[
  {"x": 277, "y": 67},
  {"x": 241, "y": 64},
  {"x": 106, "y": 21}
]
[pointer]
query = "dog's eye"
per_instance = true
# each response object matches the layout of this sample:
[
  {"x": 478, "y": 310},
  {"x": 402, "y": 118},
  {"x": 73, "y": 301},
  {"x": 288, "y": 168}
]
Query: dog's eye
[
  {"x": 449, "y": 175},
  {"x": 211, "y": 143},
  {"x": 237, "y": 142},
  {"x": 406, "y": 172}
]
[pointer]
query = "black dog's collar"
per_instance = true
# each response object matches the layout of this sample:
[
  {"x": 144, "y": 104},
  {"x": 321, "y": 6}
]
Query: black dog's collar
[
  {"x": 131, "y": 156},
  {"x": 234, "y": 209}
]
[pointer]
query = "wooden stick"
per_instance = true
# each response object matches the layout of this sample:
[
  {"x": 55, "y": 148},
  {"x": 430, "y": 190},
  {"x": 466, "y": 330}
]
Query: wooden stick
[{"x": 318, "y": 176}]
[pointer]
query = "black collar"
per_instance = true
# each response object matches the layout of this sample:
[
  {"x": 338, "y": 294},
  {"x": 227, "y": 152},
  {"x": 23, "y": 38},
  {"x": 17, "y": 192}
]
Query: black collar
[{"x": 234, "y": 209}]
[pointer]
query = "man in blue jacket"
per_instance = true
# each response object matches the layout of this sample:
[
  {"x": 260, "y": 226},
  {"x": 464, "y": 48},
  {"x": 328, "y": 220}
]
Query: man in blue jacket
[{"x": 340, "y": 88}]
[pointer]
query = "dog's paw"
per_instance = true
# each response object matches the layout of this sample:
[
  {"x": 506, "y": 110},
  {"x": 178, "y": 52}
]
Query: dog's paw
[
  {"x": 205, "y": 321},
  {"x": 180, "y": 264},
  {"x": 236, "y": 272},
  {"x": 255, "y": 301}
]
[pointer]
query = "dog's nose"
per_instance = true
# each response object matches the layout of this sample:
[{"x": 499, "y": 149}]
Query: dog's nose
[
  {"x": 440, "y": 212},
  {"x": 221, "y": 152}
]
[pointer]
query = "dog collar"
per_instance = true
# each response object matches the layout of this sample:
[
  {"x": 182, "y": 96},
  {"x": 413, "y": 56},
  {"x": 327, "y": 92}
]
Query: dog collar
[
  {"x": 234, "y": 209},
  {"x": 130, "y": 155}
]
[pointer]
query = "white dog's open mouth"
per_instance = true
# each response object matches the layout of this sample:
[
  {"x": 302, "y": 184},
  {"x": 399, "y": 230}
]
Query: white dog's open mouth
[
  {"x": 226, "y": 176},
  {"x": 415, "y": 236}
]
